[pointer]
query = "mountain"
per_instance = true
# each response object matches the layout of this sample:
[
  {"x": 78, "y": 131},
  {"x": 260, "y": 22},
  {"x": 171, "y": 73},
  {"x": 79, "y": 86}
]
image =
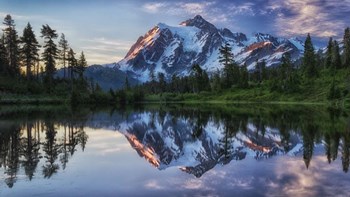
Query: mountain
[
  {"x": 173, "y": 139},
  {"x": 173, "y": 50},
  {"x": 106, "y": 77}
]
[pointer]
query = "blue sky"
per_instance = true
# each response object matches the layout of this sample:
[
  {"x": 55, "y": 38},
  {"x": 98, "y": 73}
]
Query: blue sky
[{"x": 106, "y": 29}]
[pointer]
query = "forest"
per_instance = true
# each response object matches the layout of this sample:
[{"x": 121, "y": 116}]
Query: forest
[{"x": 31, "y": 78}]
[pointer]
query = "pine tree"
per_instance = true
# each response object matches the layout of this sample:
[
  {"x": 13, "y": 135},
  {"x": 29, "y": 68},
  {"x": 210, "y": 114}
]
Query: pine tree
[
  {"x": 152, "y": 81},
  {"x": 64, "y": 48},
  {"x": 29, "y": 49},
  {"x": 260, "y": 69},
  {"x": 72, "y": 63},
  {"x": 197, "y": 74},
  {"x": 11, "y": 45},
  {"x": 3, "y": 57},
  {"x": 244, "y": 76},
  {"x": 309, "y": 59},
  {"x": 216, "y": 81},
  {"x": 336, "y": 59},
  {"x": 226, "y": 58},
  {"x": 288, "y": 78},
  {"x": 200, "y": 79},
  {"x": 329, "y": 53},
  {"x": 127, "y": 84},
  {"x": 161, "y": 82},
  {"x": 49, "y": 55},
  {"x": 82, "y": 64},
  {"x": 346, "y": 54}
]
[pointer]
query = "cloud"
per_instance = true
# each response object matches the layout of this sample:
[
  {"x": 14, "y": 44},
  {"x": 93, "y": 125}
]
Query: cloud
[
  {"x": 214, "y": 11},
  {"x": 299, "y": 17},
  {"x": 102, "y": 50},
  {"x": 153, "y": 7}
]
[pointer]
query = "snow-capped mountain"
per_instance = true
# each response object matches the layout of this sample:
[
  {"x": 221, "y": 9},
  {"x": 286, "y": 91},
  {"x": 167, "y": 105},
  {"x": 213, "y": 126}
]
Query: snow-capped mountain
[
  {"x": 170, "y": 139},
  {"x": 173, "y": 50}
]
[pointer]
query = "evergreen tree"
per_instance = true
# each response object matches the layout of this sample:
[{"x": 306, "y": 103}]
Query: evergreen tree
[
  {"x": 336, "y": 59},
  {"x": 216, "y": 81},
  {"x": 329, "y": 53},
  {"x": 3, "y": 57},
  {"x": 82, "y": 64},
  {"x": 11, "y": 45},
  {"x": 72, "y": 63},
  {"x": 29, "y": 49},
  {"x": 226, "y": 58},
  {"x": 64, "y": 49},
  {"x": 161, "y": 82},
  {"x": 50, "y": 54},
  {"x": 309, "y": 59},
  {"x": 260, "y": 70},
  {"x": 346, "y": 53},
  {"x": 244, "y": 78},
  {"x": 288, "y": 77},
  {"x": 200, "y": 79},
  {"x": 175, "y": 83},
  {"x": 152, "y": 81},
  {"x": 127, "y": 85},
  {"x": 197, "y": 74}
]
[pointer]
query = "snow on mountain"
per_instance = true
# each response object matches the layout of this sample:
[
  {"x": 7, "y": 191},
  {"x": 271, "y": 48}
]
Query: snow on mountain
[
  {"x": 165, "y": 141},
  {"x": 173, "y": 50}
]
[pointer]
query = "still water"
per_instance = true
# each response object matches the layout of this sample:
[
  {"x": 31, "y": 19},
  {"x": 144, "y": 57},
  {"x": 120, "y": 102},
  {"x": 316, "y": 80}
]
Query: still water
[{"x": 221, "y": 150}]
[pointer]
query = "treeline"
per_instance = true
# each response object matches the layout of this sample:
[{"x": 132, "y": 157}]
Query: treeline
[
  {"x": 287, "y": 78},
  {"x": 26, "y": 70}
]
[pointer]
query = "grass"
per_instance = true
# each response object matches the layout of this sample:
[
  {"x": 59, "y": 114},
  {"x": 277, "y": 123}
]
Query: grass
[
  {"x": 311, "y": 92},
  {"x": 31, "y": 99}
]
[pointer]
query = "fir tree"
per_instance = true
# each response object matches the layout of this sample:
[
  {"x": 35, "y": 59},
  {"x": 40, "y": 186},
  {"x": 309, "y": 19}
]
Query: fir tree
[
  {"x": 336, "y": 59},
  {"x": 11, "y": 45},
  {"x": 309, "y": 59},
  {"x": 64, "y": 48},
  {"x": 161, "y": 82},
  {"x": 288, "y": 78},
  {"x": 29, "y": 49},
  {"x": 152, "y": 81},
  {"x": 226, "y": 58},
  {"x": 260, "y": 70},
  {"x": 82, "y": 64},
  {"x": 200, "y": 79},
  {"x": 329, "y": 53},
  {"x": 216, "y": 81},
  {"x": 346, "y": 53},
  {"x": 127, "y": 84},
  {"x": 50, "y": 54},
  {"x": 3, "y": 57},
  {"x": 72, "y": 63},
  {"x": 244, "y": 78}
]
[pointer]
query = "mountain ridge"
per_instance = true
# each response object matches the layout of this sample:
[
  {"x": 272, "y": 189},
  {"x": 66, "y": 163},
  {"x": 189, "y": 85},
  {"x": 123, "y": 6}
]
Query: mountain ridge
[{"x": 174, "y": 49}]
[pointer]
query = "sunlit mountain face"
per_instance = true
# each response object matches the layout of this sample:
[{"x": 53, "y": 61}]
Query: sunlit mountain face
[{"x": 173, "y": 50}]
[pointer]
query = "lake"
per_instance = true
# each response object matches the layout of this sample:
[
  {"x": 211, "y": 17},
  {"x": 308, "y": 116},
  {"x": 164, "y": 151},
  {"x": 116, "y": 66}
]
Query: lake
[{"x": 175, "y": 150}]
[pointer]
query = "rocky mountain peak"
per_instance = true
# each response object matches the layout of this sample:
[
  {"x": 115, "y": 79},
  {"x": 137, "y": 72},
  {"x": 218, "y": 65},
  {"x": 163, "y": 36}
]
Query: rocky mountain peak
[
  {"x": 174, "y": 49},
  {"x": 199, "y": 22}
]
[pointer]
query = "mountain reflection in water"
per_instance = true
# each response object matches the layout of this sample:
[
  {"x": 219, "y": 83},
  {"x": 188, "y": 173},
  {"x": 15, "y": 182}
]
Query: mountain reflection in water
[{"x": 194, "y": 139}]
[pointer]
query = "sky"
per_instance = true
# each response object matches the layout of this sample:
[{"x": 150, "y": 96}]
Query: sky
[{"x": 106, "y": 29}]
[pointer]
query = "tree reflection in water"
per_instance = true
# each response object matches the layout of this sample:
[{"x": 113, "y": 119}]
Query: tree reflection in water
[
  {"x": 23, "y": 145},
  {"x": 257, "y": 131},
  {"x": 44, "y": 145}
]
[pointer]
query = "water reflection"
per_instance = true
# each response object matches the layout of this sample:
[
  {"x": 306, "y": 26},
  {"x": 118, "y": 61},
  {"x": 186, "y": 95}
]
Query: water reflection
[
  {"x": 24, "y": 145},
  {"x": 197, "y": 140},
  {"x": 194, "y": 139}
]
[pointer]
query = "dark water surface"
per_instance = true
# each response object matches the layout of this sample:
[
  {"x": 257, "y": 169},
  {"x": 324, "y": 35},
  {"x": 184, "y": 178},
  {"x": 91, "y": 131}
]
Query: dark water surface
[{"x": 222, "y": 150}]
